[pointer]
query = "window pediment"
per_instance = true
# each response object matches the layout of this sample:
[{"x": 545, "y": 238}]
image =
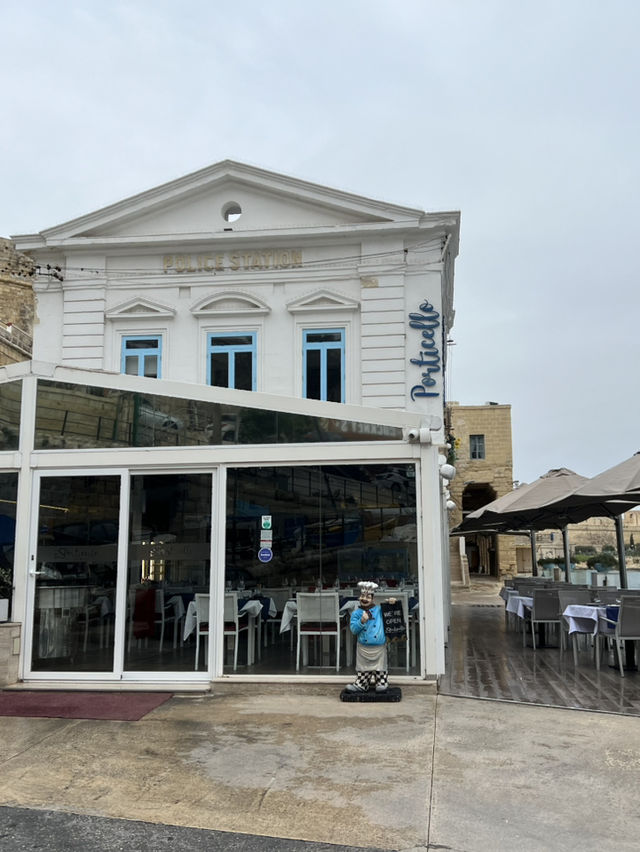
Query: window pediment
[
  {"x": 230, "y": 303},
  {"x": 322, "y": 300},
  {"x": 140, "y": 309}
]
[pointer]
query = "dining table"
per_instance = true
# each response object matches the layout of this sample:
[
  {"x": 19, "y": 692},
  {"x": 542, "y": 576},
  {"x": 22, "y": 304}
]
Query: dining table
[{"x": 597, "y": 619}]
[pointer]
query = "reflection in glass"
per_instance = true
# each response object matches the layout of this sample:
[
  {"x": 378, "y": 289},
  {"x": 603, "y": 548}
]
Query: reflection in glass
[
  {"x": 72, "y": 416},
  {"x": 328, "y": 528},
  {"x": 76, "y": 573},
  {"x": 168, "y": 565},
  {"x": 8, "y": 497},
  {"x": 10, "y": 399}
]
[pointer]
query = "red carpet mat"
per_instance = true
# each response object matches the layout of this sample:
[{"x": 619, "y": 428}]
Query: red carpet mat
[{"x": 113, "y": 706}]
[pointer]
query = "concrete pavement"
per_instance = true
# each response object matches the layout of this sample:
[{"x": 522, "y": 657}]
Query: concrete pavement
[{"x": 429, "y": 772}]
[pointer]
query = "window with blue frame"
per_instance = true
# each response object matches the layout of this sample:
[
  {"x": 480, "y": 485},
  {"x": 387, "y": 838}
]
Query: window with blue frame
[
  {"x": 323, "y": 364},
  {"x": 231, "y": 360},
  {"x": 142, "y": 356}
]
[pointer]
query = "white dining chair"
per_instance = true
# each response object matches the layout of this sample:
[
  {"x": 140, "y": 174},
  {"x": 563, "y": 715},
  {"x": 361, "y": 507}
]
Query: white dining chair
[
  {"x": 202, "y": 624},
  {"x": 318, "y": 615},
  {"x": 234, "y": 624},
  {"x": 166, "y": 614}
]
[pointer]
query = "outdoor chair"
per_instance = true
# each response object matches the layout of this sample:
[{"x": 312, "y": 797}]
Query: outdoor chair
[
  {"x": 202, "y": 624},
  {"x": 567, "y": 597},
  {"x": 625, "y": 629},
  {"x": 235, "y": 624},
  {"x": 318, "y": 615},
  {"x": 545, "y": 610},
  {"x": 605, "y": 595}
]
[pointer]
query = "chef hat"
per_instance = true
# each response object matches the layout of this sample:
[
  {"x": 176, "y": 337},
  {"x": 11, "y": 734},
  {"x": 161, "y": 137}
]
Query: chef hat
[{"x": 368, "y": 586}]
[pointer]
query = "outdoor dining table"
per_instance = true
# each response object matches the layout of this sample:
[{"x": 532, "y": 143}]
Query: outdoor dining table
[{"x": 518, "y": 604}]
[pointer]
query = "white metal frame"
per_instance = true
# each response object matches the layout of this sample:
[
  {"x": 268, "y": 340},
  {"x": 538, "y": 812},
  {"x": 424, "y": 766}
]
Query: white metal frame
[{"x": 128, "y": 461}]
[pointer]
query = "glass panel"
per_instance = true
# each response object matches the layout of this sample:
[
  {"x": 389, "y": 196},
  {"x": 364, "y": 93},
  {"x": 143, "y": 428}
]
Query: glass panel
[
  {"x": 233, "y": 340},
  {"x": 74, "y": 416},
  {"x": 220, "y": 369},
  {"x": 168, "y": 564},
  {"x": 313, "y": 374},
  {"x": 76, "y": 579},
  {"x": 141, "y": 343},
  {"x": 312, "y": 529},
  {"x": 151, "y": 366},
  {"x": 10, "y": 398},
  {"x": 8, "y": 497},
  {"x": 323, "y": 336},
  {"x": 334, "y": 375},
  {"x": 244, "y": 371},
  {"x": 131, "y": 365}
]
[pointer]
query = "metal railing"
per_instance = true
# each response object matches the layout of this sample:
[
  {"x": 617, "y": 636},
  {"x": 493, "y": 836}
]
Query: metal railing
[{"x": 19, "y": 339}]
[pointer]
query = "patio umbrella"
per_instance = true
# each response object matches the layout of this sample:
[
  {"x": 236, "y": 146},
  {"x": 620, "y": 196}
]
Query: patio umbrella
[
  {"x": 528, "y": 508},
  {"x": 609, "y": 494}
]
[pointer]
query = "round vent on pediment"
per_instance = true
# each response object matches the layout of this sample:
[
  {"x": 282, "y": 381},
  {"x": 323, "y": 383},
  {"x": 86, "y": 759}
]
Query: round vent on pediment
[{"x": 231, "y": 211}]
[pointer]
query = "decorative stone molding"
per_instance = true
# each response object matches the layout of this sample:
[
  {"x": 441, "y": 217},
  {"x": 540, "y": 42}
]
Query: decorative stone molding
[
  {"x": 230, "y": 303},
  {"x": 322, "y": 300},
  {"x": 136, "y": 309}
]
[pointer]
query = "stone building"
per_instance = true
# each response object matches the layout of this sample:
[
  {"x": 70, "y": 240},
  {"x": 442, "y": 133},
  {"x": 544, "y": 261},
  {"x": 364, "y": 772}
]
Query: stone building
[
  {"x": 593, "y": 536},
  {"x": 16, "y": 304},
  {"x": 480, "y": 436}
]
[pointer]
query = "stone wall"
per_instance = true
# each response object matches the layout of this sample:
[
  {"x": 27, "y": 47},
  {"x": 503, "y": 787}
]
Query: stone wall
[
  {"x": 478, "y": 481},
  {"x": 9, "y": 652},
  {"x": 17, "y": 304}
]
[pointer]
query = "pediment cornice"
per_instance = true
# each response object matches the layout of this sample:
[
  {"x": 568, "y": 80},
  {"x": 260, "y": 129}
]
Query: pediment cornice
[
  {"x": 139, "y": 309},
  {"x": 229, "y": 303},
  {"x": 217, "y": 175},
  {"x": 322, "y": 300}
]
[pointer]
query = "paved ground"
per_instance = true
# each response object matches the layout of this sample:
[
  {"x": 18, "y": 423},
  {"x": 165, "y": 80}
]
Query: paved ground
[
  {"x": 295, "y": 769},
  {"x": 430, "y": 772}
]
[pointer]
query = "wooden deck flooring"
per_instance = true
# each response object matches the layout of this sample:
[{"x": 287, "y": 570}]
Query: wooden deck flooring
[{"x": 485, "y": 660}]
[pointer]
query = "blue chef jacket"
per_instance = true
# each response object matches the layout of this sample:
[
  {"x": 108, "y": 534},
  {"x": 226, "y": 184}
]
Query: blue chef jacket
[{"x": 372, "y": 631}]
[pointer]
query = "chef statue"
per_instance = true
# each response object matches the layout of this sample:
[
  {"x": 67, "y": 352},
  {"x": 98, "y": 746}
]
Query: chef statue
[{"x": 371, "y": 649}]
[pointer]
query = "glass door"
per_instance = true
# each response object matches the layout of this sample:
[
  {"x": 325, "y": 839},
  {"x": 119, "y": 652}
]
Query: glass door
[
  {"x": 119, "y": 565},
  {"x": 168, "y": 565},
  {"x": 76, "y": 568}
]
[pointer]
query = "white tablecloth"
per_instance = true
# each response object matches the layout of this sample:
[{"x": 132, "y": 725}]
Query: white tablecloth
[
  {"x": 291, "y": 608},
  {"x": 252, "y": 608},
  {"x": 587, "y": 619},
  {"x": 517, "y": 604}
]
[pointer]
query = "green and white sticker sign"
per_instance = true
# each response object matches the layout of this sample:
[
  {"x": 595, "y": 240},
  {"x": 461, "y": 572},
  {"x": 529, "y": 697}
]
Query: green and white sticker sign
[{"x": 266, "y": 522}]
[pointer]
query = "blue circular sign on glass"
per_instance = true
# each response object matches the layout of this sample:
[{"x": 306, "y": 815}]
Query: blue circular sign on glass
[{"x": 265, "y": 554}]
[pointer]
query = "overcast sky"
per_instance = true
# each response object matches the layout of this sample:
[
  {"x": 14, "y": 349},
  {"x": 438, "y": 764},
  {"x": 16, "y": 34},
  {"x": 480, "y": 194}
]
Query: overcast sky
[{"x": 522, "y": 115}]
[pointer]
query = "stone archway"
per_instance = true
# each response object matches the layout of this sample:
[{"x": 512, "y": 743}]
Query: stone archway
[{"x": 480, "y": 549}]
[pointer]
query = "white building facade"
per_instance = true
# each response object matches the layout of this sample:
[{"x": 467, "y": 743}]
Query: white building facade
[{"x": 191, "y": 311}]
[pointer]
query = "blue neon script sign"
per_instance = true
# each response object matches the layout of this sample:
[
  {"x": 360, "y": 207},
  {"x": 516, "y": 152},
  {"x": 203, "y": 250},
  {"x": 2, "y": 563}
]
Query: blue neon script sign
[{"x": 427, "y": 322}]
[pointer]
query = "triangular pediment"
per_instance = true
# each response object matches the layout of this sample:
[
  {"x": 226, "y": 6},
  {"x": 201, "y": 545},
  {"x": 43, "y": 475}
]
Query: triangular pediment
[
  {"x": 139, "y": 309},
  {"x": 229, "y": 303},
  {"x": 322, "y": 300},
  {"x": 207, "y": 202}
]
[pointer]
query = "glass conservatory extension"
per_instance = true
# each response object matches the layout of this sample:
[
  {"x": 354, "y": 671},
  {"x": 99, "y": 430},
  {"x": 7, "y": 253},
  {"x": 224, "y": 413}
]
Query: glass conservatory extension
[{"x": 163, "y": 532}]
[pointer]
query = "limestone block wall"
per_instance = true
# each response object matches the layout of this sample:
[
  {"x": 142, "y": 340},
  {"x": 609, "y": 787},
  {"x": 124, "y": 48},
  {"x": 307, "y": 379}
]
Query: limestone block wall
[
  {"x": 486, "y": 478},
  {"x": 17, "y": 304},
  {"x": 10, "y": 637}
]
